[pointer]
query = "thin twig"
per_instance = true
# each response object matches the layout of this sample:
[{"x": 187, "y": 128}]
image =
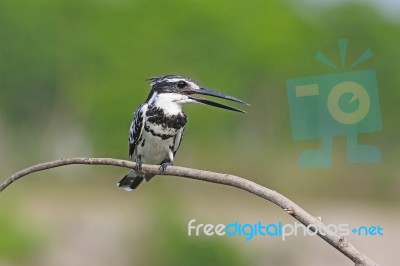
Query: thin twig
[{"x": 338, "y": 242}]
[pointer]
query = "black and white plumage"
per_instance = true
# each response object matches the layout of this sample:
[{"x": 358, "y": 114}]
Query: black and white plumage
[{"x": 158, "y": 124}]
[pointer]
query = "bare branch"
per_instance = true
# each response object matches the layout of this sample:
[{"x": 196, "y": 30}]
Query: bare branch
[{"x": 338, "y": 242}]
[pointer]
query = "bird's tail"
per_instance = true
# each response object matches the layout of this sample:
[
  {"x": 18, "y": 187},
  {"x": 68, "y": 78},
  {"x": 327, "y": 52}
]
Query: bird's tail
[{"x": 132, "y": 180}]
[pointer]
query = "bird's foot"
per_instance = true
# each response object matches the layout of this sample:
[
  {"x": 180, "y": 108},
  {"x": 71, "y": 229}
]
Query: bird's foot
[
  {"x": 164, "y": 166},
  {"x": 138, "y": 166}
]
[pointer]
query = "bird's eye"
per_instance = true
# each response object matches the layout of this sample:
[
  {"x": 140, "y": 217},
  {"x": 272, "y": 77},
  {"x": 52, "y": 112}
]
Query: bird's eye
[{"x": 182, "y": 84}]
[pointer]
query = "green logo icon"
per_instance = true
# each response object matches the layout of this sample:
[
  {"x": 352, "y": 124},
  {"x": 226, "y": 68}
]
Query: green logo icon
[{"x": 337, "y": 104}]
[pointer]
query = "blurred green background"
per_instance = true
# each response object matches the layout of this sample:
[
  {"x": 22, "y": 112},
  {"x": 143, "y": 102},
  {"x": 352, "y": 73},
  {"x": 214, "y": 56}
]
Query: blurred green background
[{"x": 73, "y": 71}]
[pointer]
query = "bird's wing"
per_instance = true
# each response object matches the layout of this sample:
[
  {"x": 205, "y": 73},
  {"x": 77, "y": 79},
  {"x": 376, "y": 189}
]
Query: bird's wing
[
  {"x": 136, "y": 129},
  {"x": 178, "y": 139}
]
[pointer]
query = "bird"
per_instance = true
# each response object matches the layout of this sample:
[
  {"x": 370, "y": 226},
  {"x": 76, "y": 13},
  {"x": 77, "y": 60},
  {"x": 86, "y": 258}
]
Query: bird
[{"x": 158, "y": 124}]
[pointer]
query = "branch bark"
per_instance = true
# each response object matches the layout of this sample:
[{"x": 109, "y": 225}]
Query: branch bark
[{"x": 338, "y": 242}]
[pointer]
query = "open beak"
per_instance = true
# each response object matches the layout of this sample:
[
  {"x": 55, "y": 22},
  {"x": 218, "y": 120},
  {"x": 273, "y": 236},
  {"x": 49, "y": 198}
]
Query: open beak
[{"x": 217, "y": 94}]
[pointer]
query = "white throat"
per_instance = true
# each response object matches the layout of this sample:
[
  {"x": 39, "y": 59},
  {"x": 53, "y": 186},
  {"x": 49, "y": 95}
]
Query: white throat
[{"x": 171, "y": 103}]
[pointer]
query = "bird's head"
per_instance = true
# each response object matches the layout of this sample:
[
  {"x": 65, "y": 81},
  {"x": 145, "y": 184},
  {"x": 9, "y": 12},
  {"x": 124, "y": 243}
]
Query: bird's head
[{"x": 183, "y": 90}]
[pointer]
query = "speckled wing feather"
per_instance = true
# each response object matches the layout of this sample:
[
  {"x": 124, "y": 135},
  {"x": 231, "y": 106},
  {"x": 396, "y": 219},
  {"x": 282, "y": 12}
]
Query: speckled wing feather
[
  {"x": 136, "y": 129},
  {"x": 178, "y": 139}
]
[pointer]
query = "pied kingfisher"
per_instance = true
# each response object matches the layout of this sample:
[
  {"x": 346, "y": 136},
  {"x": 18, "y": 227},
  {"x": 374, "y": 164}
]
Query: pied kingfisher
[{"x": 158, "y": 124}]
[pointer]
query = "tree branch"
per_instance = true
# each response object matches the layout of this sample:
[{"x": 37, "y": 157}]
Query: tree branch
[{"x": 338, "y": 242}]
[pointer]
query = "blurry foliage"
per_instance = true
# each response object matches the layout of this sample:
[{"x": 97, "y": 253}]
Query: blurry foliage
[
  {"x": 17, "y": 240},
  {"x": 180, "y": 249}
]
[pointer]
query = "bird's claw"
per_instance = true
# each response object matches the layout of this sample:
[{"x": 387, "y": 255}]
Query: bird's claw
[
  {"x": 163, "y": 167},
  {"x": 138, "y": 167}
]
